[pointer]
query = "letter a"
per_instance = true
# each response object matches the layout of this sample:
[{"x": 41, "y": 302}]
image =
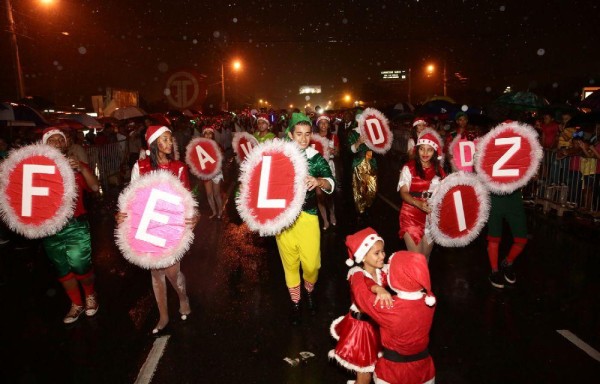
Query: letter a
[{"x": 203, "y": 157}]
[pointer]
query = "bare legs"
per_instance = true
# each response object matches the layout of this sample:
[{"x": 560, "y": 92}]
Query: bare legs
[
  {"x": 325, "y": 203},
  {"x": 213, "y": 195},
  {"x": 363, "y": 377},
  {"x": 177, "y": 280},
  {"x": 423, "y": 247}
]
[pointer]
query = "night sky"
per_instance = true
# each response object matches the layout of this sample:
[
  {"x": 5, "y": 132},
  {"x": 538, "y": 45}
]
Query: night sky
[{"x": 74, "y": 49}]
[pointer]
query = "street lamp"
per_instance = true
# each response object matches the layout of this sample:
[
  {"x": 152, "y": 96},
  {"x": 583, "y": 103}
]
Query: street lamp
[
  {"x": 237, "y": 65},
  {"x": 430, "y": 69},
  {"x": 15, "y": 51}
]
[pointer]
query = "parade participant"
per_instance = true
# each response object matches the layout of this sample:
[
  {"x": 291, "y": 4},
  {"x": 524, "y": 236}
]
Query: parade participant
[
  {"x": 404, "y": 327},
  {"x": 325, "y": 201},
  {"x": 70, "y": 249},
  {"x": 263, "y": 124},
  {"x": 160, "y": 156},
  {"x": 358, "y": 338},
  {"x": 364, "y": 172},
  {"x": 418, "y": 180},
  {"x": 213, "y": 186},
  {"x": 418, "y": 125},
  {"x": 300, "y": 244}
]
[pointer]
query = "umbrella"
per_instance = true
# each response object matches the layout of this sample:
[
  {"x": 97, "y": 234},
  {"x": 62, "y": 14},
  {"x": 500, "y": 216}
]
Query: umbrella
[
  {"x": 443, "y": 98},
  {"x": 522, "y": 101},
  {"x": 21, "y": 113},
  {"x": 84, "y": 119},
  {"x": 440, "y": 109},
  {"x": 70, "y": 124},
  {"x": 161, "y": 119},
  {"x": 128, "y": 113}
]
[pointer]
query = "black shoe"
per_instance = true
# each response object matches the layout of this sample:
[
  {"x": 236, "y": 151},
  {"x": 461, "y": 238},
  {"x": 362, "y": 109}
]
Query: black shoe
[
  {"x": 311, "y": 304},
  {"x": 295, "y": 315},
  {"x": 159, "y": 332},
  {"x": 508, "y": 272},
  {"x": 497, "y": 280}
]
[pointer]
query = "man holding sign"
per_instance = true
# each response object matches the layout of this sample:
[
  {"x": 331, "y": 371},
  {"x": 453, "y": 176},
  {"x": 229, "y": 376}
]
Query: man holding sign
[
  {"x": 70, "y": 249},
  {"x": 300, "y": 244}
]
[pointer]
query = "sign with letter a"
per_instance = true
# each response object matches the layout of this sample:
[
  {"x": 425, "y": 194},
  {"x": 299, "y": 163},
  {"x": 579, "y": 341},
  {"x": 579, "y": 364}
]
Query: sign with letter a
[
  {"x": 272, "y": 187},
  {"x": 459, "y": 210},
  {"x": 154, "y": 234},
  {"x": 508, "y": 157},
  {"x": 204, "y": 158},
  {"x": 374, "y": 127},
  {"x": 37, "y": 191},
  {"x": 242, "y": 144}
]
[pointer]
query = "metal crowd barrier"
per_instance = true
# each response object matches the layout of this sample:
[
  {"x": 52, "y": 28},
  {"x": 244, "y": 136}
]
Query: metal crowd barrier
[
  {"x": 108, "y": 161},
  {"x": 566, "y": 184}
]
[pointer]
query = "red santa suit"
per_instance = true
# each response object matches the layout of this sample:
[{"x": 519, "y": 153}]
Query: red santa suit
[
  {"x": 357, "y": 335},
  {"x": 404, "y": 328},
  {"x": 412, "y": 219},
  {"x": 176, "y": 167}
]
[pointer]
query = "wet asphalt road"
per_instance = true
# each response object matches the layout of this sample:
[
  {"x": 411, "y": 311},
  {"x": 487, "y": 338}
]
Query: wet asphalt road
[{"x": 239, "y": 329}]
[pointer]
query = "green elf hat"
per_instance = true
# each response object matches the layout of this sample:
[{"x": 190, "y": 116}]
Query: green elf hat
[
  {"x": 296, "y": 118},
  {"x": 359, "y": 111}
]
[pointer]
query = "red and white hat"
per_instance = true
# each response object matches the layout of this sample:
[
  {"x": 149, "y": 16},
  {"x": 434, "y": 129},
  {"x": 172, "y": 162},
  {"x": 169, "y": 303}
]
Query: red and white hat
[
  {"x": 419, "y": 120},
  {"x": 51, "y": 131},
  {"x": 322, "y": 117},
  {"x": 431, "y": 137},
  {"x": 208, "y": 128},
  {"x": 154, "y": 131},
  {"x": 359, "y": 244},
  {"x": 263, "y": 117},
  {"x": 408, "y": 273}
]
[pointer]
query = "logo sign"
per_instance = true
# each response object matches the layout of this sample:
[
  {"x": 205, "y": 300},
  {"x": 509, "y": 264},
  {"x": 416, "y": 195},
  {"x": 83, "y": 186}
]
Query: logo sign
[
  {"x": 183, "y": 90},
  {"x": 154, "y": 234},
  {"x": 460, "y": 209},
  {"x": 204, "y": 158},
  {"x": 374, "y": 127},
  {"x": 462, "y": 154},
  {"x": 37, "y": 191},
  {"x": 242, "y": 144},
  {"x": 272, "y": 186},
  {"x": 321, "y": 144},
  {"x": 508, "y": 157}
]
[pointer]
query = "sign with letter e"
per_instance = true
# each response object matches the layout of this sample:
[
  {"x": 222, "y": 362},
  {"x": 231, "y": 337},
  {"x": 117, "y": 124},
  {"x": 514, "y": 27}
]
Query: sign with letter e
[
  {"x": 154, "y": 233},
  {"x": 37, "y": 191},
  {"x": 272, "y": 186}
]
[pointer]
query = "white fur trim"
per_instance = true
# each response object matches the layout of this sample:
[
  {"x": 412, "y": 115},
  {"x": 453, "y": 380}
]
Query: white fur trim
[
  {"x": 536, "y": 155},
  {"x": 377, "y": 380},
  {"x": 430, "y": 301},
  {"x": 354, "y": 308},
  {"x": 157, "y": 134},
  {"x": 289, "y": 216},
  {"x": 349, "y": 262},
  {"x": 332, "y": 355},
  {"x": 66, "y": 209},
  {"x": 354, "y": 270},
  {"x": 148, "y": 261},
  {"x": 365, "y": 246},
  {"x": 483, "y": 198},
  {"x": 52, "y": 132},
  {"x": 429, "y": 142},
  {"x": 439, "y": 151},
  {"x": 190, "y": 152},
  {"x": 334, "y": 324},
  {"x": 451, "y": 146},
  {"x": 417, "y": 122},
  {"x": 235, "y": 143},
  {"x": 411, "y": 296},
  {"x": 322, "y": 117},
  {"x": 324, "y": 143},
  {"x": 385, "y": 125}
]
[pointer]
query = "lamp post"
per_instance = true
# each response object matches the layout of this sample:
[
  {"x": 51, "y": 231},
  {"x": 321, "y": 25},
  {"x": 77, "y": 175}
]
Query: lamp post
[
  {"x": 15, "y": 51},
  {"x": 237, "y": 65},
  {"x": 431, "y": 68}
]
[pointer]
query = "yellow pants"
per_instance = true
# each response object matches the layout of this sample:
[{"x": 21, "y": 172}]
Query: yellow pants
[{"x": 300, "y": 245}]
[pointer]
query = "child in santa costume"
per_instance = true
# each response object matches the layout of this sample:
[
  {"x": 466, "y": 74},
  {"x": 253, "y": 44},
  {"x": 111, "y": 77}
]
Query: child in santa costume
[
  {"x": 160, "y": 156},
  {"x": 419, "y": 178},
  {"x": 70, "y": 249},
  {"x": 213, "y": 186},
  {"x": 404, "y": 327},
  {"x": 357, "y": 335},
  {"x": 300, "y": 244}
]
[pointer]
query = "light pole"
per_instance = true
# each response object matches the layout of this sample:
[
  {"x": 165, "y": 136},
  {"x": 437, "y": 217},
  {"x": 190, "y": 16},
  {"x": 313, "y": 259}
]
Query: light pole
[
  {"x": 409, "y": 85},
  {"x": 431, "y": 68},
  {"x": 237, "y": 65},
  {"x": 15, "y": 51}
]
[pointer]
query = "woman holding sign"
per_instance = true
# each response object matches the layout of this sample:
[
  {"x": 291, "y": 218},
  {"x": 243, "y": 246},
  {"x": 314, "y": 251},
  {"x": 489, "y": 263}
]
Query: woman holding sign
[
  {"x": 213, "y": 186},
  {"x": 160, "y": 156},
  {"x": 418, "y": 180}
]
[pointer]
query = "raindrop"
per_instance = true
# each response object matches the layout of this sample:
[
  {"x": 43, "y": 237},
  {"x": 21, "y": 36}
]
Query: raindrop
[
  {"x": 163, "y": 67},
  {"x": 344, "y": 21},
  {"x": 33, "y": 76},
  {"x": 488, "y": 89},
  {"x": 210, "y": 106},
  {"x": 555, "y": 85},
  {"x": 55, "y": 63},
  {"x": 464, "y": 108},
  {"x": 306, "y": 97},
  {"x": 235, "y": 19},
  {"x": 82, "y": 50},
  {"x": 502, "y": 8},
  {"x": 184, "y": 37},
  {"x": 195, "y": 41},
  {"x": 216, "y": 34},
  {"x": 344, "y": 80},
  {"x": 167, "y": 92},
  {"x": 59, "y": 67},
  {"x": 541, "y": 51},
  {"x": 250, "y": 40}
]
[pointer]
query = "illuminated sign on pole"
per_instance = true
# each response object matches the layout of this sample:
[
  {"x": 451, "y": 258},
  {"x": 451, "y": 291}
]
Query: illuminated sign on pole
[{"x": 394, "y": 75}]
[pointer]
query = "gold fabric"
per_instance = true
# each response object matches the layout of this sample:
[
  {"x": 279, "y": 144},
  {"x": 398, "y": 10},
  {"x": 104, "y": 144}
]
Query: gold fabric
[{"x": 364, "y": 185}]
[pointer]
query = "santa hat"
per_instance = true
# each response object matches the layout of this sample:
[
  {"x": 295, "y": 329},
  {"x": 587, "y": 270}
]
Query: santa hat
[
  {"x": 419, "y": 120},
  {"x": 154, "y": 131},
  {"x": 408, "y": 273},
  {"x": 263, "y": 117},
  {"x": 208, "y": 128},
  {"x": 51, "y": 131},
  {"x": 431, "y": 137},
  {"x": 359, "y": 244},
  {"x": 322, "y": 117}
]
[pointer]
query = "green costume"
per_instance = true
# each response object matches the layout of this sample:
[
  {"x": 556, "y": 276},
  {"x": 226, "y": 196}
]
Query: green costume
[
  {"x": 70, "y": 249},
  {"x": 262, "y": 139}
]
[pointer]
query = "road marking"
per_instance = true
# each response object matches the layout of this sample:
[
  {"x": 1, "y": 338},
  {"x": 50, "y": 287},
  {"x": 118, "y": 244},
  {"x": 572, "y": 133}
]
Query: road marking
[
  {"x": 149, "y": 367},
  {"x": 389, "y": 202},
  {"x": 579, "y": 343}
]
